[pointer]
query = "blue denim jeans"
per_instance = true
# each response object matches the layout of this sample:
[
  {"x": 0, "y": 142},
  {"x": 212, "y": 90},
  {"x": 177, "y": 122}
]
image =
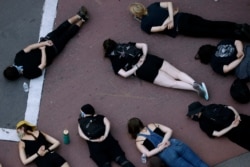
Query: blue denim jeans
[{"x": 179, "y": 154}]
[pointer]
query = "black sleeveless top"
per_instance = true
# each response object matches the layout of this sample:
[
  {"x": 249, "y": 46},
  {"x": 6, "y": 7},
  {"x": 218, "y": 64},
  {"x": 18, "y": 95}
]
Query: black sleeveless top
[{"x": 32, "y": 146}]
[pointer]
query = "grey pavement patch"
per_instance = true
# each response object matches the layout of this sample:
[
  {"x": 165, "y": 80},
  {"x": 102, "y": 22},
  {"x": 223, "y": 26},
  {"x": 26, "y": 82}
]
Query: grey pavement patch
[
  {"x": 15, "y": 90},
  {"x": 240, "y": 161}
]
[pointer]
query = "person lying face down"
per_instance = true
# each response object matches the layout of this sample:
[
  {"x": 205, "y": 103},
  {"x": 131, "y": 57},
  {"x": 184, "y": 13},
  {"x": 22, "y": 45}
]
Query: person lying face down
[
  {"x": 133, "y": 59},
  {"x": 31, "y": 61},
  {"x": 161, "y": 17},
  {"x": 218, "y": 120}
]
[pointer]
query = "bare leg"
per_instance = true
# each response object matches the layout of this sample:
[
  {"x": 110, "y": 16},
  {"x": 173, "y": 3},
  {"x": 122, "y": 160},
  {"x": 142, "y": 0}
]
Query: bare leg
[
  {"x": 65, "y": 165},
  {"x": 74, "y": 19},
  {"x": 165, "y": 80},
  {"x": 171, "y": 77}
]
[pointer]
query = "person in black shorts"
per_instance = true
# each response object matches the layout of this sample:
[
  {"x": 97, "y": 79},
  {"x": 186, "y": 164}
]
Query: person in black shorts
[
  {"x": 31, "y": 61},
  {"x": 37, "y": 146},
  {"x": 160, "y": 17},
  {"x": 103, "y": 148},
  {"x": 134, "y": 59}
]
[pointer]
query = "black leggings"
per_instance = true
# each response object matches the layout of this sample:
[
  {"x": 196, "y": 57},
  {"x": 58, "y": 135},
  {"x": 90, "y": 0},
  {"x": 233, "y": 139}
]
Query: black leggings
[
  {"x": 196, "y": 26},
  {"x": 62, "y": 34}
]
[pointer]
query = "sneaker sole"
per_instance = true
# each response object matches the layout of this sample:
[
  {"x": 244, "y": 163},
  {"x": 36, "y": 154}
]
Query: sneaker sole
[{"x": 205, "y": 89}]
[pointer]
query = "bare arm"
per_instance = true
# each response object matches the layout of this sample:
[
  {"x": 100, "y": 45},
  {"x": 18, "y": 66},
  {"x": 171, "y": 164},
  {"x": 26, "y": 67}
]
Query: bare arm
[
  {"x": 82, "y": 135},
  {"x": 165, "y": 142},
  {"x": 23, "y": 156},
  {"x": 43, "y": 58},
  {"x": 40, "y": 152},
  {"x": 34, "y": 46},
  {"x": 169, "y": 21},
  {"x": 240, "y": 55},
  {"x": 144, "y": 48},
  {"x": 128, "y": 73},
  {"x": 55, "y": 143},
  {"x": 235, "y": 123},
  {"x": 107, "y": 129}
]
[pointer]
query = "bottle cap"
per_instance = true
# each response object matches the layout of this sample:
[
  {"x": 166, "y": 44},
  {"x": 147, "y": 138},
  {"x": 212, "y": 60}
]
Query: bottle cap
[{"x": 65, "y": 132}]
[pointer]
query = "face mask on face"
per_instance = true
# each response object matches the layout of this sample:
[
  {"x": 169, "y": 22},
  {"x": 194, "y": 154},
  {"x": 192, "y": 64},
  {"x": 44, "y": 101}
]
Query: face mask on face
[
  {"x": 82, "y": 114},
  {"x": 20, "y": 134},
  {"x": 195, "y": 118}
]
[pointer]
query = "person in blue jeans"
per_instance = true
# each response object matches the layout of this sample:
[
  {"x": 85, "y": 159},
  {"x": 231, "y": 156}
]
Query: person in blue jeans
[{"x": 155, "y": 139}]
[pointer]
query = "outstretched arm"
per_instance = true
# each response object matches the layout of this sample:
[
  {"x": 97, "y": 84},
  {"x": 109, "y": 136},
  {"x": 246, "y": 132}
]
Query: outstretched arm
[{"x": 240, "y": 55}]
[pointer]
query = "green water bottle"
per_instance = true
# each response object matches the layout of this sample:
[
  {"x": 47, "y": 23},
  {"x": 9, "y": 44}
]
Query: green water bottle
[{"x": 66, "y": 139}]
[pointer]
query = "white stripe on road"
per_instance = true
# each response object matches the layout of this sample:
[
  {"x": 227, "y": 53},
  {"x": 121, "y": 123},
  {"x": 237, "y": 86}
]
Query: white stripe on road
[{"x": 36, "y": 85}]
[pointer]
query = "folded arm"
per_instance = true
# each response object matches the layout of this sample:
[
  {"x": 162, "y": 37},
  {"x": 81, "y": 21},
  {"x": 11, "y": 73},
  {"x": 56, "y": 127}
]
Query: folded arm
[
  {"x": 240, "y": 55},
  {"x": 234, "y": 124},
  {"x": 144, "y": 48},
  {"x": 169, "y": 21}
]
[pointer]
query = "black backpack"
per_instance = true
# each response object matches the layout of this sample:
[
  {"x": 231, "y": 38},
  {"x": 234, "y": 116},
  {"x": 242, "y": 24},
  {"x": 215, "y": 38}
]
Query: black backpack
[
  {"x": 92, "y": 127},
  {"x": 240, "y": 91}
]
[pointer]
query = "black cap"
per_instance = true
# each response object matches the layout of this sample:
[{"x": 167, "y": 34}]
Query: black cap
[
  {"x": 194, "y": 108},
  {"x": 88, "y": 109}
]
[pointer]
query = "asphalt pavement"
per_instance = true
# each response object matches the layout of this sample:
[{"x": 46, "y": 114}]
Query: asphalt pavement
[{"x": 81, "y": 75}]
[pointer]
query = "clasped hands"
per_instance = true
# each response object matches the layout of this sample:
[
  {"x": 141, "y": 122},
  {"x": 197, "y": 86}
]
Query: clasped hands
[
  {"x": 42, "y": 151},
  {"x": 163, "y": 145},
  {"x": 46, "y": 43},
  {"x": 236, "y": 121}
]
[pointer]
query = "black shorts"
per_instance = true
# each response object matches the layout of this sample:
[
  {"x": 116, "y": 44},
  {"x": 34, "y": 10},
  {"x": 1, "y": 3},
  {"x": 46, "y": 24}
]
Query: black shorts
[
  {"x": 50, "y": 160},
  {"x": 150, "y": 68}
]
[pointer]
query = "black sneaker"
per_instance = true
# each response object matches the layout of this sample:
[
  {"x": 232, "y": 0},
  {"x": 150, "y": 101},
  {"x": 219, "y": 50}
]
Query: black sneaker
[{"x": 83, "y": 13}]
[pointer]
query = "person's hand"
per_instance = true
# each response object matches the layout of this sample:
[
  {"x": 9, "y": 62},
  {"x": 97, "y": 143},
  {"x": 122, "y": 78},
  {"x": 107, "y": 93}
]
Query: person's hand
[
  {"x": 170, "y": 25},
  {"x": 163, "y": 145},
  {"x": 48, "y": 43},
  {"x": 240, "y": 54},
  {"x": 236, "y": 122},
  {"x": 176, "y": 11},
  {"x": 41, "y": 151},
  {"x": 101, "y": 138}
]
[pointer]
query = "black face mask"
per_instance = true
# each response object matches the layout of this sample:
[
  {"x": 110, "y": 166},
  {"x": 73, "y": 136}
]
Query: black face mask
[{"x": 195, "y": 118}]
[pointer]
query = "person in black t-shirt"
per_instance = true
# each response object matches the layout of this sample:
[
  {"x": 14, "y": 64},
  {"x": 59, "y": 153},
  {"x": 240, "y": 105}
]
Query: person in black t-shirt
[
  {"x": 105, "y": 148},
  {"x": 218, "y": 120},
  {"x": 228, "y": 57},
  {"x": 149, "y": 67},
  {"x": 30, "y": 61},
  {"x": 160, "y": 17}
]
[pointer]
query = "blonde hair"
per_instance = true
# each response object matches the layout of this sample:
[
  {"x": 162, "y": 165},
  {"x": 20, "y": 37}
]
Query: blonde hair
[{"x": 138, "y": 9}]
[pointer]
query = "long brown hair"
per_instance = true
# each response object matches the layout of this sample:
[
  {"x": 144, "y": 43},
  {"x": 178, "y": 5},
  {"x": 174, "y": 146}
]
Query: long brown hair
[{"x": 134, "y": 125}]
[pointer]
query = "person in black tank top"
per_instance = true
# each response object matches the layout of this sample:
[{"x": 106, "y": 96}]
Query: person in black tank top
[{"x": 37, "y": 146}]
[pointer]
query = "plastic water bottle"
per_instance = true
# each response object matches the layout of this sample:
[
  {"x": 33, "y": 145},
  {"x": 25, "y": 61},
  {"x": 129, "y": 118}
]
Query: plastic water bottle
[
  {"x": 25, "y": 87},
  {"x": 143, "y": 158}
]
